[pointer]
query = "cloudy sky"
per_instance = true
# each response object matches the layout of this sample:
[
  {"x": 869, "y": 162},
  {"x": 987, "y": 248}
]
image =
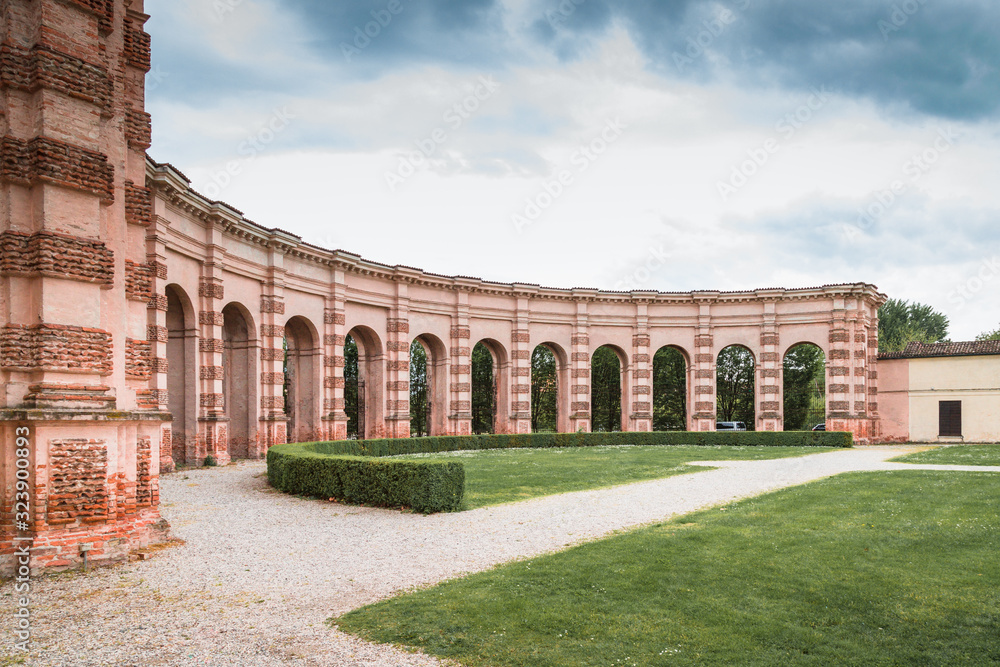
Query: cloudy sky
[{"x": 668, "y": 145}]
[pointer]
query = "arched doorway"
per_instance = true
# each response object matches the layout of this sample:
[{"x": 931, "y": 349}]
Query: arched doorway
[
  {"x": 364, "y": 381},
  {"x": 420, "y": 403},
  {"x": 735, "y": 384},
  {"x": 182, "y": 360},
  {"x": 302, "y": 378},
  {"x": 239, "y": 383},
  {"x": 607, "y": 411},
  {"x": 544, "y": 390},
  {"x": 670, "y": 389},
  {"x": 428, "y": 386},
  {"x": 804, "y": 387},
  {"x": 486, "y": 391}
]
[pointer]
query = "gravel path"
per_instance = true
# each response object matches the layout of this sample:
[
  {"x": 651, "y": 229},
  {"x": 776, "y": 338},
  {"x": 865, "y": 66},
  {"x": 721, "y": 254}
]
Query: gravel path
[{"x": 261, "y": 571}]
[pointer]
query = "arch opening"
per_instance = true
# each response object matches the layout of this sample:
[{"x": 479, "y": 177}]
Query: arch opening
[
  {"x": 544, "y": 390},
  {"x": 484, "y": 390},
  {"x": 420, "y": 403},
  {"x": 670, "y": 389},
  {"x": 607, "y": 412},
  {"x": 735, "y": 385},
  {"x": 301, "y": 380},
  {"x": 182, "y": 360},
  {"x": 239, "y": 385},
  {"x": 804, "y": 387},
  {"x": 364, "y": 381}
]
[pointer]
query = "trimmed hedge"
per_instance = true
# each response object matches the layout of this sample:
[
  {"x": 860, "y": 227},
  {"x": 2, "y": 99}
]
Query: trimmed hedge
[
  {"x": 352, "y": 472},
  {"x": 424, "y": 486}
]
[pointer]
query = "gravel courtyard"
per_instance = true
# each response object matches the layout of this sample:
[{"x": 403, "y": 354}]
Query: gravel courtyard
[{"x": 259, "y": 572}]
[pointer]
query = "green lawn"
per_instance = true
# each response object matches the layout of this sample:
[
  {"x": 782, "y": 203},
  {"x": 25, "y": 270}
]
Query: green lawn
[
  {"x": 967, "y": 455},
  {"x": 895, "y": 568},
  {"x": 505, "y": 475}
]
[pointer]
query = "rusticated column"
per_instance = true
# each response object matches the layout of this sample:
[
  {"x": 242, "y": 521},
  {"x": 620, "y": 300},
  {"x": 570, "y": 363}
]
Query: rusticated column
[
  {"x": 213, "y": 435},
  {"x": 703, "y": 392},
  {"x": 767, "y": 387},
  {"x": 397, "y": 376},
  {"x": 80, "y": 351},
  {"x": 641, "y": 415},
  {"x": 334, "y": 338},
  {"x": 520, "y": 345},
  {"x": 460, "y": 390},
  {"x": 273, "y": 429},
  {"x": 579, "y": 407}
]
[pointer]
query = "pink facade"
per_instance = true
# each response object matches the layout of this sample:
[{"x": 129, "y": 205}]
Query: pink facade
[{"x": 143, "y": 326}]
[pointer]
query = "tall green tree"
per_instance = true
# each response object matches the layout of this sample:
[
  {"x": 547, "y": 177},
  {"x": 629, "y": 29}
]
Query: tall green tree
[
  {"x": 669, "y": 390},
  {"x": 419, "y": 408},
  {"x": 735, "y": 370},
  {"x": 483, "y": 390},
  {"x": 804, "y": 379},
  {"x": 605, "y": 391},
  {"x": 544, "y": 390},
  {"x": 351, "y": 386},
  {"x": 902, "y": 322}
]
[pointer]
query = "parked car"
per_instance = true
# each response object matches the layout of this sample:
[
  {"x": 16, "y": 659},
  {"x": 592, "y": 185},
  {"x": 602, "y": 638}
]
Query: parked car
[
  {"x": 730, "y": 426},
  {"x": 820, "y": 427}
]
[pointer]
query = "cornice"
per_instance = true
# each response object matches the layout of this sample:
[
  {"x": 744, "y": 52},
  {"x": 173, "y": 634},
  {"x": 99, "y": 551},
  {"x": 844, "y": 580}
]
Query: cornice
[{"x": 169, "y": 183}]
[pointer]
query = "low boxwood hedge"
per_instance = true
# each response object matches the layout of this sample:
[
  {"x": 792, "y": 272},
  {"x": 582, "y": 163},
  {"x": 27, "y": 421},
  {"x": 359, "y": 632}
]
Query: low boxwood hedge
[{"x": 352, "y": 471}]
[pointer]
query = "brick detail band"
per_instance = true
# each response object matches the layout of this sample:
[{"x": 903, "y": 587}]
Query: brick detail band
[
  {"x": 840, "y": 354},
  {"x": 138, "y": 129},
  {"x": 704, "y": 359},
  {"x": 520, "y": 337},
  {"x": 272, "y": 354},
  {"x": 461, "y": 406},
  {"x": 525, "y": 372},
  {"x": 334, "y": 362},
  {"x": 161, "y": 365},
  {"x": 522, "y": 355},
  {"x": 769, "y": 389},
  {"x": 769, "y": 357},
  {"x": 104, "y": 9},
  {"x": 43, "y": 160},
  {"x": 138, "y": 205},
  {"x": 211, "y": 345},
  {"x": 212, "y": 373},
  {"x": 521, "y": 388},
  {"x": 840, "y": 336},
  {"x": 576, "y": 373},
  {"x": 642, "y": 407},
  {"x": 334, "y": 340},
  {"x": 580, "y": 339},
  {"x": 703, "y": 389},
  {"x": 213, "y": 401},
  {"x": 461, "y": 333},
  {"x": 460, "y": 352},
  {"x": 399, "y": 406},
  {"x": 78, "y": 490},
  {"x": 333, "y": 317},
  {"x": 211, "y": 318},
  {"x": 56, "y": 347},
  {"x": 641, "y": 359},
  {"x": 640, "y": 340},
  {"x": 331, "y": 382},
  {"x": 580, "y": 356},
  {"x": 139, "y": 281},
  {"x": 398, "y": 346},
  {"x": 209, "y": 289},
  {"x": 137, "y": 48},
  {"x": 272, "y": 305},
  {"x": 461, "y": 369},
  {"x": 580, "y": 406},
  {"x": 840, "y": 406},
  {"x": 44, "y": 67},
  {"x": 58, "y": 256},
  {"x": 461, "y": 386},
  {"x": 272, "y": 331},
  {"x": 769, "y": 339},
  {"x": 705, "y": 407},
  {"x": 159, "y": 302},
  {"x": 397, "y": 326},
  {"x": 642, "y": 390},
  {"x": 770, "y": 406},
  {"x": 397, "y": 386},
  {"x": 272, "y": 378},
  {"x": 272, "y": 402},
  {"x": 769, "y": 373},
  {"x": 705, "y": 374},
  {"x": 332, "y": 404},
  {"x": 642, "y": 374},
  {"x": 521, "y": 406},
  {"x": 839, "y": 388},
  {"x": 400, "y": 366},
  {"x": 704, "y": 340},
  {"x": 138, "y": 359},
  {"x": 839, "y": 371},
  {"x": 579, "y": 389}
]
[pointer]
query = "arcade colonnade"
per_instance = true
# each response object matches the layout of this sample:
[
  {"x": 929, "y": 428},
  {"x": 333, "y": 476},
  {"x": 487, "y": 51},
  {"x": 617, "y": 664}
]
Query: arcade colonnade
[{"x": 237, "y": 294}]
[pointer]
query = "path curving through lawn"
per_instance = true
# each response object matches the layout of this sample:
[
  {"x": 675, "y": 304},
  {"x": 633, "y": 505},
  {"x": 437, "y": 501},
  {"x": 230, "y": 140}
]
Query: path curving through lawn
[{"x": 260, "y": 571}]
